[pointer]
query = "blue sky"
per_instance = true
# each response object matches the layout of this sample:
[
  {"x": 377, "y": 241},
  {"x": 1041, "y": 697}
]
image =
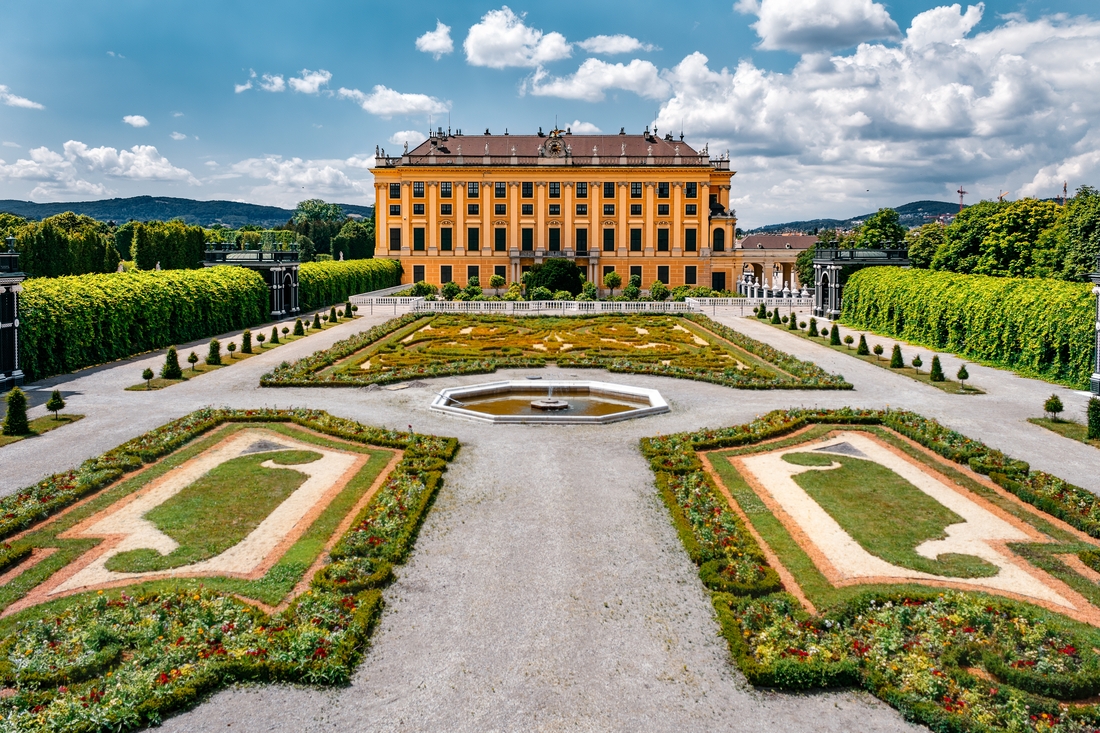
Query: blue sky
[{"x": 827, "y": 107}]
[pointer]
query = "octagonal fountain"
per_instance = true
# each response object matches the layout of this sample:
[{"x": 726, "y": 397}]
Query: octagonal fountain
[{"x": 557, "y": 402}]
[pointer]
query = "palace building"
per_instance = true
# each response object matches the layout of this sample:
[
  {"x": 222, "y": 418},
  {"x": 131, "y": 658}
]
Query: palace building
[{"x": 462, "y": 206}]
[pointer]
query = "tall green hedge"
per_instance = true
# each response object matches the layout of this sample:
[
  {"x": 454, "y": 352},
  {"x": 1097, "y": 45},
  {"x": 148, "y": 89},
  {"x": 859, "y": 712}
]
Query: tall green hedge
[
  {"x": 1039, "y": 328},
  {"x": 325, "y": 283},
  {"x": 72, "y": 322}
]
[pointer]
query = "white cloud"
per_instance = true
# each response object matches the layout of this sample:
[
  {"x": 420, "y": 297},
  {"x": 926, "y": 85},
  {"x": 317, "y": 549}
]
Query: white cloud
[
  {"x": 178, "y": 136},
  {"x": 11, "y": 145},
  {"x": 618, "y": 43},
  {"x": 386, "y": 102},
  {"x": 272, "y": 83},
  {"x": 177, "y": 114},
  {"x": 501, "y": 39},
  {"x": 810, "y": 26},
  {"x": 595, "y": 77},
  {"x": 112, "y": 54},
  {"x": 289, "y": 180},
  {"x": 13, "y": 100},
  {"x": 437, "y": 42},
  {"x": 412, "y": 137},
  {"x": 945, "y": 24},
  {"x": 141, "y": 162},
  {"x": 584, "y": 128},
  {"x": 310, "y": 82},
  {"x": 238, "y": 88},
  {"x": 135, "y": 121},
  {"x": 211, "y": 164}
]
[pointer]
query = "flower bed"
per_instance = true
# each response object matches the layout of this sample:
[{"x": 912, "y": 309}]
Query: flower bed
[
  {"x": 112, "y": 661},
  {"x": 955, "y": 661}
]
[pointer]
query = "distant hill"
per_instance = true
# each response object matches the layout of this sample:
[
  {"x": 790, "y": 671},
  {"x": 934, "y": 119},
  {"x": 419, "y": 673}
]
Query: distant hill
[
  {"x": 146, "y": 208},
  {"x": 910, "y": 215}
]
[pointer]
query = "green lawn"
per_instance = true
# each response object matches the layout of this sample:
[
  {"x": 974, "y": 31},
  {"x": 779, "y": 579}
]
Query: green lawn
[
  {"x": 41, "y": 425},
  {"x": 1067, "y": 429},
  {"x": 218, "y": 511}
]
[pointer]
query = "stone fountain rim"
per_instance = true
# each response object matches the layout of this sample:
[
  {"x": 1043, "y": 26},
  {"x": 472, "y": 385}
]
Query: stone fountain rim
[{"x": 442, "y": 401}]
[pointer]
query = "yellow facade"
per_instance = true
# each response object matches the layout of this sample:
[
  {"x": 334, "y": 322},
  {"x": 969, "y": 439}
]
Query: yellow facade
[{"x": 655, "y": 208}]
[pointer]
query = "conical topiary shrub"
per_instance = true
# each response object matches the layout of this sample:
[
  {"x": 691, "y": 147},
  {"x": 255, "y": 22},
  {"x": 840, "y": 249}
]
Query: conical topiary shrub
[
  {"x": 15, "y": 422},
  {"x": 332, "y": 317},
  {"x": 793, "y": 323},
  {"x": 862, "y": 349},
  {"x": 214, "y": 356},
  {"x": 834, "y": 336},
  {"x": 316, "y": 320},
  {"x": 936, "y": 373},
  {"x": 347, "y": 309},
  {"x": 896, "y": 362},
  {"x": 1093, "y": 414},
  {"x": 171, "y": 368},
  {"x": 813, "y": 327},
  {"x": 56, "y": 403},
  {"x": 274, "y": 335},
  {"x": 246, "y": 342},
  {"x": 775, "y": 316},
  {"x": 299, "y": 329}
]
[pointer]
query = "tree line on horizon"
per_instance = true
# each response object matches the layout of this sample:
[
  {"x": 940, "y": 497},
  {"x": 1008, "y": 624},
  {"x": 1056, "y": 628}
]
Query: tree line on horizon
[
  {"x": 76, "y": 244},
  {"x": 1024, "y": 238}
]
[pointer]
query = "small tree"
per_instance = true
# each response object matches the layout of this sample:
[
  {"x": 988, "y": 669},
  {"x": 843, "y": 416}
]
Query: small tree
[
  {"x": 56, "y": 403},
  {"x": 171, "y": 368},
  {"x": 332, "y": 315},
  {"x": 802, "y": 325},
  {"x": 834, "y": 336},
  {"x": 232, "y": 346},
  {"x": 612, "y": 280},
  {"x": 848, "y": 341},
  {"x": 15, "y": 422},
  {"x": 299, "y": 329},
  {"x": 917, "y": 362},
  {"x": 274, "y": 335},
  {"x": 862, "y": 349},
  {"x": 878, "y": 351},
  {"x": 962, "y": 375},
  {"x": 896, "y": 362},
  {"x": 285, "y": 331},
  {"x": 497, "y": 282},
  {"x": 317, "y": 320},
  {"x": 1053, "y": 407},
  {"x": 1093, "y": 414},
  {"x": 763, "y": 313},
  {"x": 813, "y": 327},
  {"x": 148, "y": 375},
  {"x": 450, "y": 290},
  {"x": 214, "y": 356},
  {"x": 193, "y": 360},
  {"x": 936, "y": 373},
  {"x": 246, "y": 342},
  {"x": 658, "y": 290},
  {"x": 775, "y": 316},
  {"x": 260, "y": 337},
  {"x": 347, "y": 309}
]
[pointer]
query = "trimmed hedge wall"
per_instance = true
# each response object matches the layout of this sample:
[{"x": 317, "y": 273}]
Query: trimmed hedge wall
[
  {"x": 68, "y": 323},
  {"x": 325, "y": 283},
  {"x": 1038, "y": 328}
]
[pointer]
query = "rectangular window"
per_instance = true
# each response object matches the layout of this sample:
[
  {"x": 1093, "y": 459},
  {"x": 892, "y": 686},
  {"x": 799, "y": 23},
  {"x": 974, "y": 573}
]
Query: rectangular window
[
  {"x": 662, "y": 273},
  {"x": 445, "y": 209},
  {"x": 582, "y": 209},
  {"x": 418, "y": 273},
  {"x": 555, "y": 209},
  {"x": 636, "y": 271},
  {"x": 500, "y": 239},
  {"x": 395, "y": 209},
  {"x": 691, "y": 190},
  {"x": 445, "y": 242},
  {"x": 555, "y": 190},
  {"x": 662, "y": 209},
  {"x": 635, "y": 209},
  {"x": 689, "y": 275},
  {"x": 500, "y": 209},
  {"x": 662, "y": 193},
  {"x": 473, "y": 209},
  {"x": 608, "y": 269},
  {"x": 445, "y": 190},
  {"x": 662, "y": 244},
  {"x": 582, "y": 241},
  {"x": 689, "y": 240},
  {"x": 418, "y": 189},
  {"x": 691, "y": 210},
  {"x": 527, "y": 190},
  {"x": 500, "y": 190},
  {"x": 636, "y": 190},
  {"x": 395, "y": 191},
  {"x": 527, "y": 209},
  {"x": 582, "y": 190},
  {"x": 418, "y": 209},
  {"x": 445, "y": 275},
  {"x": 608, "y": 190},
  {"x": 636, "y": 240},
  {"x": 473, "y": 239},
  {"x": 527, "y": 239},
  {"x": 395, "y": 238},
  {"x": 609, "y": 209},
  {"x": 555, "y": 239},
  {"x": 608, "y": 240},
  {"x": 418, "y": 239},
  {"x": 501, "y": 270},
  {"x": 473, "y": 190},
  {"x": 473, "y": 271}
]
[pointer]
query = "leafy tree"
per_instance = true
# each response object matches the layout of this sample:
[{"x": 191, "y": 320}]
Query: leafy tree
[
  {"x": 962, "y": 375},
  {"x": 306, "y": 251},
  {"x": 848, "y": 341},
  {"x": 56, "y": 403},
  {"x": 862, "y": 349},
  {"x": 260, "y": 338},
  {"x": 355, "y": 240},
  {"x": 924, "y": 243},
  {"x": 658, "y": 290},
  {"x": 590, "y": 290},
  {"x": 1053, "y": 407},
  {"x": 563, "y": 295},
  {"x": 171, "y": 368},
  {"x": 962, "y": 243},
  {"x": 450, "y": 290},
  {"x": 193, "y": 360},
  {"x": 917, "y": 362},
  {"x": 424, "y": 289},
  {"x": 882, "y": 230},
  {"x": 317, "y": 210},
  {"x": 804, "y": 264},
  {"x": 473, "y": 288},
  {"x": 1009, "y": 246},
  {"x": 1092, "y": 412},
  {"x": 936, "y": 373},
  {"x": 556, "y": 274},
  {"x": 10, "y": 224},
  {"x": 878, "y": 351},
  {"x": 541, "y": 293},
  {"x": 1082, "y": 226},
  {"x": 612, "y": 280},
  {"x": 15, "y": 421},
  {"x": 214, "y": 355},
  {"x": 148, "y": 375},
  {"x": 896, "y": 361},
  {"x": 632, "y": 291},
  {"x": 497, "y": 282},
  {"x": 231, "y": 347},
  {"x": 143, "y": 249}
]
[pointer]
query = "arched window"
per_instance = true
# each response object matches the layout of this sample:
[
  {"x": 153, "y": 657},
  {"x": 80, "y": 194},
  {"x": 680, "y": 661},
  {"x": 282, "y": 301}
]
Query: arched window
[{"x": 719, "y": 240}]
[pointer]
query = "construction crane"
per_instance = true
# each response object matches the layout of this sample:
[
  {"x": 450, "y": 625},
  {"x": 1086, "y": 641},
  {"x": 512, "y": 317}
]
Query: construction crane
[
  {"x": 961, "y": 193},
  {"x": 1001, "y": 197}
]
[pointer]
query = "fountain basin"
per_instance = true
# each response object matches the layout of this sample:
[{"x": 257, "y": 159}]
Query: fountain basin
[{"x": 555, "y": 402}]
